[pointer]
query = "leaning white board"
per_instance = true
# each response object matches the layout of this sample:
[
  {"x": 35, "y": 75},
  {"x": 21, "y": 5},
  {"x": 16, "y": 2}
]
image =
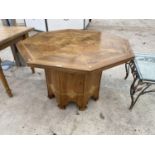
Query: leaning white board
[
  {"x": 59, "y": 24},
  {"x": 38, "y": 24},
  {"x": 86, "y": 22}
]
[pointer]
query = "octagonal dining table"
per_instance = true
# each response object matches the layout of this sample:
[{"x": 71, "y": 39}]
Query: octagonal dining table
[{"x": 73, "y": 61}]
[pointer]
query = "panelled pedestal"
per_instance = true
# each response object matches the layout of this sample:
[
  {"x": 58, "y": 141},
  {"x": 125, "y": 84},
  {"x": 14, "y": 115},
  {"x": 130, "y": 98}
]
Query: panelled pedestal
[{"x": 73, "y": 87}]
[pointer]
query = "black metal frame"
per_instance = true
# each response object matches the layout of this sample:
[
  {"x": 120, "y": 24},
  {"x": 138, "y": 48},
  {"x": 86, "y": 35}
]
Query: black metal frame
[{"x": 139, "y": 86}]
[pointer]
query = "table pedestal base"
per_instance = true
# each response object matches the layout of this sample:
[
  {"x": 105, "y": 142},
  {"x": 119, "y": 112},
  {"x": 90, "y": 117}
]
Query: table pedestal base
[{"x": 73, "y": 87}]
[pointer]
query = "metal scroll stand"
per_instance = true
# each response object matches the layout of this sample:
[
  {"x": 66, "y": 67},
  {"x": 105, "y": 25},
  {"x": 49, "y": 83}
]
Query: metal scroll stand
[{"x": 139, "y": 86}]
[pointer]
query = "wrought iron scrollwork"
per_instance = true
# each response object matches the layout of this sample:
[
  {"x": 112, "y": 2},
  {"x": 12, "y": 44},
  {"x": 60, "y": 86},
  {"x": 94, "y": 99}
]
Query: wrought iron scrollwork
[{"x": 138, "y": 86}]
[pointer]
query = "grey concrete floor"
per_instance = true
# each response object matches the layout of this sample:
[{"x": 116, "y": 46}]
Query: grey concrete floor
[{"x": 31, "y": 112}]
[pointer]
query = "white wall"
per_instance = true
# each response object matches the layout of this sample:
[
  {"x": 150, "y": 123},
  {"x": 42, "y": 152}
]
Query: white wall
[{"x": 20, "y": 21}]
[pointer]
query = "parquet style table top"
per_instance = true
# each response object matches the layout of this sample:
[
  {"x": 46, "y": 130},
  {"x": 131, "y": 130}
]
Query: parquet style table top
[{"x": 82, "y": 50}]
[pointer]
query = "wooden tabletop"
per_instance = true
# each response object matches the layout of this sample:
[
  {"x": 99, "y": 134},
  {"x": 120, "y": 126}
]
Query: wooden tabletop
[
  {"x": 10, "y": 33},
  {"x": 81, "y": 50}
]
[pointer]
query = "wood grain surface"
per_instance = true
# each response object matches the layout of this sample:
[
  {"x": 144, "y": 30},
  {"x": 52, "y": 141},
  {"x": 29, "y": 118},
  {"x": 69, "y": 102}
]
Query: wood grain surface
[
  {"x": 12, "y": 33},
  {"x": 75, "y": 49}
]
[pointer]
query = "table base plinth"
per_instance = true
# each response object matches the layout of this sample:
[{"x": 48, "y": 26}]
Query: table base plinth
[{"x": 73, "y": 87}]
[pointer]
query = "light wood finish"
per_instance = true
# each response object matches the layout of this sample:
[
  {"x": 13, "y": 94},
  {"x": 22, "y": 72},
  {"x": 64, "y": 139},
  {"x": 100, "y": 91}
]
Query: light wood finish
[
  {"x": 4, "y": 81},
  {"x": 9, "y": 36},
  {"x": 73, "y": 61}
]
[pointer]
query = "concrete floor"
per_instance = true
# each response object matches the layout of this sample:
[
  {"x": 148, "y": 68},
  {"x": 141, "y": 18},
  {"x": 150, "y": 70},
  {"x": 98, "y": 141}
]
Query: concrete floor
[{"x": 31, "y": 112}]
